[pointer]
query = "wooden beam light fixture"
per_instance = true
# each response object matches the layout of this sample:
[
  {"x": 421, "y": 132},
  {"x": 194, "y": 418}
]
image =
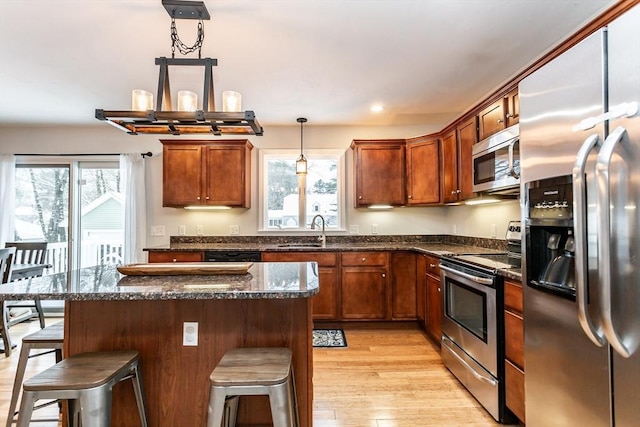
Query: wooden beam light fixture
[{"x": 141, "y": 119}]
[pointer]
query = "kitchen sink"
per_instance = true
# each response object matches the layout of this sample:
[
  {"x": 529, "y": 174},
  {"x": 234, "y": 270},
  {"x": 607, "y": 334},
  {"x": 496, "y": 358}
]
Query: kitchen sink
[{"x": 300, "y": 245}]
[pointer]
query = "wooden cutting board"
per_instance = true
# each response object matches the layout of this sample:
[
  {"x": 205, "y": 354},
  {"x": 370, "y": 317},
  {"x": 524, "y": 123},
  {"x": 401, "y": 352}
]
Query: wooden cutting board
[{"x": 185, "y": 268}]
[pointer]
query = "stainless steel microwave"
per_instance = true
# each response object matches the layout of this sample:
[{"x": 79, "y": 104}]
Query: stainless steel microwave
[{"x": 496, "y": 163}]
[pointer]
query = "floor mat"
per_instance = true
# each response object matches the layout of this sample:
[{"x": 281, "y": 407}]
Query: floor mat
[{"x": 329, "y": 338}]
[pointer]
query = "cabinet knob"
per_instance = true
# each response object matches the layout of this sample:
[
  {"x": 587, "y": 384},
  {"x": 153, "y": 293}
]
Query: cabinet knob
[
  {"x": 409, "y": 196},
  {"x": 438, "y": 289},
  {"x": 458, "y": 191},
  {"x": 500, "y": 121},
  {"x": 384, "y": 275},
  {"x": 175, "y": 260},
  {"x": 509, "y": 116},
  {"x": 364, "y": 259},
  {"x": 432, "y": 265},
  {"x": 359, "y": 197},
  {"x": 453, "y": 191},
  {"x": 207, "y": 197},
  {"x": 198, "y": 198}
]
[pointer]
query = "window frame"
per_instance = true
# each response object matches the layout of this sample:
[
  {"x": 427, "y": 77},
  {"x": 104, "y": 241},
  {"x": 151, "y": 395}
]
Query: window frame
[{"x": 265, "y": 154}]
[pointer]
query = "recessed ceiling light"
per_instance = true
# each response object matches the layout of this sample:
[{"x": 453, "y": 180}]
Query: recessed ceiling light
[{"x": 377, "y": 108}]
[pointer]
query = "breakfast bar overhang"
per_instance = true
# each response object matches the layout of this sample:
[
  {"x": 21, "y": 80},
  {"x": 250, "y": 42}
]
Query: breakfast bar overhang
[{"x": 270, "y": 306}]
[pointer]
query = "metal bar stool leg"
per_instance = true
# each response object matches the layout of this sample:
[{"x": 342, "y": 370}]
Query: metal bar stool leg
[
  {"x": 95, "y": 404},
  {"x": 139, "y": 392}
]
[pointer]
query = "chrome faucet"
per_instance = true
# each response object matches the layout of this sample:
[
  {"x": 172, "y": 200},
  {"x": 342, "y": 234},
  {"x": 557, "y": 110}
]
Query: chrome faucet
[{"x": 322, "y": 237}]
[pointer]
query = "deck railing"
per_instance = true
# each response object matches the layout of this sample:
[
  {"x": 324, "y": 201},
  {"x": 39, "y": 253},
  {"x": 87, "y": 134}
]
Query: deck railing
[{"x": 92, "y": 253}]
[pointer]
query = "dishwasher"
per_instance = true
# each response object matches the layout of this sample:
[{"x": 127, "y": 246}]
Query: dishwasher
[{"x": 230, "y": 256}]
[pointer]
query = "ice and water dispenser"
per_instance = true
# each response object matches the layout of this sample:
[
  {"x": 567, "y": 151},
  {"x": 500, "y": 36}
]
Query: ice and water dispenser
[{"x": 549, "y": 235}]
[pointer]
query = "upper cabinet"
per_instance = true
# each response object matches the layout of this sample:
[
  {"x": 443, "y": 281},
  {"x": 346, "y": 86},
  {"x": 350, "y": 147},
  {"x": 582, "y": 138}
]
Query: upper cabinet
[
  {"x": 512, "y": 102},
  {"x": 499, "y": 115},
  {"x": 208, "y": 173},
  {"x": 467, "y": 133},
  {"x": 449, "y": 168},
  {"x": 379, "y": 167},
  {"x": 423, "y": 173}
]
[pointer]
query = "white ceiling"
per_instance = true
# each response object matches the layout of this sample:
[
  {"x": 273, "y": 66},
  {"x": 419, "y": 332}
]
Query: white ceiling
[{"x": 329, "y": 60}]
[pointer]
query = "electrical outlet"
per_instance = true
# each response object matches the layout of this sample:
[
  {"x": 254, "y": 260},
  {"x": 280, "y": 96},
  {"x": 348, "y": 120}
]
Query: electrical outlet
[
  {"x": 182, "y": 230},
  {"x": 234, "y": 229},
  {"x": 494, "y": 231},
  {"x": 354, "y": 229},
  {"x": 199, "y": 230},
  {"x": 157, "y": 230},
  {"x": 374, "y": 228},
  {"x": 190, "y": 334}
]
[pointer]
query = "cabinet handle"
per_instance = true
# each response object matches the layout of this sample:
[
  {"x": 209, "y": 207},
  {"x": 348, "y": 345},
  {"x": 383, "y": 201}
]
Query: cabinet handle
[
  {"x": 458, "y": 191},
  {"x": 500, "y": 121},
  {"x": 453, "y": 191}
]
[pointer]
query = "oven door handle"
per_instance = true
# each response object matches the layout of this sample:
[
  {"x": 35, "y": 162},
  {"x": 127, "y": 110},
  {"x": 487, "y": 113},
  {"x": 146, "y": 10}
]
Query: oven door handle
[
  {"x": 491, "y": 381},
  {"x": 481, "y": 280}
]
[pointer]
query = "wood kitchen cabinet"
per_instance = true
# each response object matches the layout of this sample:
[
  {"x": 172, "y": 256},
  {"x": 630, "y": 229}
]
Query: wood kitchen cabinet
[
  {"x": 327, "y": 302},
  {"x": 492, "y": 119},
  {"x": 364, "y": 285},
  {"x": 421, "y": 290},
  {"x": 380, "y": 172},
  {"x": 512, "y": 107},
  {"x": 433, "y": 299},
  {"x": 175, "y": 256},
  {"x": 449, "y": 168},
  {"x": 196, "y": 172},
  {"x": 499, "y": 115},
  {"x": 403, "y": 285},
  {"x": 423, "y": 172},
  {"x": 514, "y": 348},
  {"x": 467, "y": 133}
]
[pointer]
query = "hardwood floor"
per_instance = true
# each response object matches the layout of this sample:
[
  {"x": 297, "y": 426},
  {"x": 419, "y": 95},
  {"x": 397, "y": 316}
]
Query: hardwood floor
[{"x": 384, "y": 378}]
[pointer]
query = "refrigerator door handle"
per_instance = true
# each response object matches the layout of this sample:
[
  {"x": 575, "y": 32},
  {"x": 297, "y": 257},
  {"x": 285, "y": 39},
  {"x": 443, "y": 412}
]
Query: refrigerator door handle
[
  {"x": 594, "y": 333},
  {"x": 604, "y": 237}
]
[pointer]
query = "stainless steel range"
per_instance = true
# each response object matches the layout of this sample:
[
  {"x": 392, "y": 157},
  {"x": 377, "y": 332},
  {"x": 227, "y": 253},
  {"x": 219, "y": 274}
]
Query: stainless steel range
[{"x": 472, "y": 324}]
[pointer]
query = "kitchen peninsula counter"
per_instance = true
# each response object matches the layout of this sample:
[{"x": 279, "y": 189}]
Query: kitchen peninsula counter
[{"x": 270, "y": 306}]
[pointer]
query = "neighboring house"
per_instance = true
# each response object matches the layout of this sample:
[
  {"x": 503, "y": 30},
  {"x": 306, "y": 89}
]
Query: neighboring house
[{"x": 317, "y": 204}]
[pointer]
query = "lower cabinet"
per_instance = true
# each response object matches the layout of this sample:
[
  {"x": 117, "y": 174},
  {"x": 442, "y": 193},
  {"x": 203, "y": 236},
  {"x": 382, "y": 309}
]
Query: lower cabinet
[
  {"x": 403, "y": 285},
  {"x": 421, "y": 290},
  {"x": 364, "y": 285},
  {"x": 175, "y": 256},
  {"x": 433, "y": 299},
  {"x": 514, "y": 348},
  {"x": 327, "y": 302}
]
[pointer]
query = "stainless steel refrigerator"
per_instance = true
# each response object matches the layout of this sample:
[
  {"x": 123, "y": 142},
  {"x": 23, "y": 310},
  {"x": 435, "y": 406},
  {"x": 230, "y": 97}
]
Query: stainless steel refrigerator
[{"x": 580, "y": 183}]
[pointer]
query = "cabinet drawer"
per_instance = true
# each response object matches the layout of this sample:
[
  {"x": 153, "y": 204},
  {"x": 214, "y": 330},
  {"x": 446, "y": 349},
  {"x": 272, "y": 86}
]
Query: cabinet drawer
[
  {"x": 432, "y": 266},
  {"x": 514, "y": 338},
  {"x": 514, "y": 380},
  {"x": 357, "y": 259},
  {"x": 323, "y": 259},
  {"x": 513, "y": 296},
  {"x": 168, "y": 256}
]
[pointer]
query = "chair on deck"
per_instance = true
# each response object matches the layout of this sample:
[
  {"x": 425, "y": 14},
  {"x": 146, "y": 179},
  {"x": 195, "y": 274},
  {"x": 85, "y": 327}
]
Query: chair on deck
[
  {"x": 29, "y": 253},
  {"x": 6, "y": 261}
]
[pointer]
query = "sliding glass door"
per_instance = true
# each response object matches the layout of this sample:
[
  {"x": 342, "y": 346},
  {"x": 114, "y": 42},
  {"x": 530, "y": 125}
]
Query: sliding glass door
[{"x": 73, "y": 204}]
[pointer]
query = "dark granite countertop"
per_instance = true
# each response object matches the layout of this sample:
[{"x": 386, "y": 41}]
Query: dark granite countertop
[{"x": 268, "y": 280}]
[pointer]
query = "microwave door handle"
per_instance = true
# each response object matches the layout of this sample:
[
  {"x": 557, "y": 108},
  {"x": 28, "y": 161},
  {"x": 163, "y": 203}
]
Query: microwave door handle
[
  {"x": 604, "y": 237},
  {"x": 596, "y": 335},
  {"x": 512, "y": 170}
]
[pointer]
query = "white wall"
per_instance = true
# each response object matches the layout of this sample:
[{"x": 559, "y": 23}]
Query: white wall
[{"x": 101, "y": 138}]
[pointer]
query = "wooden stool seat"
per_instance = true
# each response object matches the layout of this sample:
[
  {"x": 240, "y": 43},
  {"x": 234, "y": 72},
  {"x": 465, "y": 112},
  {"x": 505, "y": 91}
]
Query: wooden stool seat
[
  {"x": 253, "y": 371},
  {"x": 49, "y": 339},
  {"x": 252, "y": 366},
  {"x": 86, "y": 380}
]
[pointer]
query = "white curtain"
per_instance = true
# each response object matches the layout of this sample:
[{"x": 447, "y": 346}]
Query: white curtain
[
  {"x": 7, "y": 197},
  {"x": 132, "y": 176}
]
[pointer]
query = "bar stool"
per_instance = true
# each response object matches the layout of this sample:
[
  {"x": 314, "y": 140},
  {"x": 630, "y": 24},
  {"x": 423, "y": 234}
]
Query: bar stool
[
  {"x": 254, "y": 371},
  {"x": 50, "y": 339},
  {"x": 86, "y": 380}
]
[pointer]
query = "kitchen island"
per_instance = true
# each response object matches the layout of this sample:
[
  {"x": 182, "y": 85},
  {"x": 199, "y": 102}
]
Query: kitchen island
[{"x": 267, "y": 307}]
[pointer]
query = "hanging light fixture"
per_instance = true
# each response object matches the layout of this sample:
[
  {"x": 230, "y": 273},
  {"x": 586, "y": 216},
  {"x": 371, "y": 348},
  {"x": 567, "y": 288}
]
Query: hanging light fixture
[
  {"x": 301, "y": 163},
  {"x": 187, "y": 119}
]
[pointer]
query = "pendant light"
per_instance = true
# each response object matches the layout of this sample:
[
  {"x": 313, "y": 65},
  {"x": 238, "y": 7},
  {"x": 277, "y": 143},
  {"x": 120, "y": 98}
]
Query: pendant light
[{"x": 301, "y": 163}]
